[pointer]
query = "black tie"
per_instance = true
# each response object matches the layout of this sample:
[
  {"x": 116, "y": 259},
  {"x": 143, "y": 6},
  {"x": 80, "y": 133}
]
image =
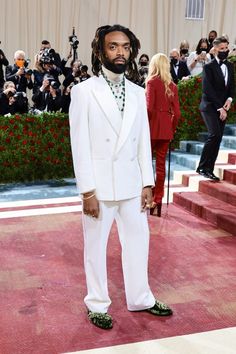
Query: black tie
[{"x": 221, "y": 62}]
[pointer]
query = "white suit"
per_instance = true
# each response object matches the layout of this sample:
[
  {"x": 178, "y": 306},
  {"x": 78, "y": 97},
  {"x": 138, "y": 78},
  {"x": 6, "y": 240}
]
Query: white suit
[{"x": 112, "y": 155}]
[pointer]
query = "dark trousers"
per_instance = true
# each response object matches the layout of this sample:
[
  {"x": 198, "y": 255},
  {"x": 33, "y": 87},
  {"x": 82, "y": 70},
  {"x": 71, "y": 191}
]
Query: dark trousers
[
  {"x": 215, "y": 128},
  {"x": 159, "y": 148}
]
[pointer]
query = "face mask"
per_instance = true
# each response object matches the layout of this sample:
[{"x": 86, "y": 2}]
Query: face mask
[
  {"x": 174, "y": 61},
  {"x": 184, "y": 51},
  {"x": 143, "y": 63},
  {"x": 20, "y": 63},
  {"x": 202, "y": 50},
  {"x": 223, "y": 55},
  {"x": 210, "y": 40}
]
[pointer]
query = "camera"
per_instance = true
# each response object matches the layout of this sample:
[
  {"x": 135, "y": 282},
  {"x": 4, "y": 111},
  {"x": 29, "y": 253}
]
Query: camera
[
  {"x": 28, "y": 71},
  {"x": 52, "y": 82},
  {"x": 21, "y": 102},
  {"x": 20, "y": 95},
  {"x": 73, "y": 40},
  {"x": 47, "y": 56}
]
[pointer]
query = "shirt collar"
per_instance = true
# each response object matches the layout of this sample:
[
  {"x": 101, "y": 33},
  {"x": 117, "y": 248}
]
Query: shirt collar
[{"x": 113, "y": 77}]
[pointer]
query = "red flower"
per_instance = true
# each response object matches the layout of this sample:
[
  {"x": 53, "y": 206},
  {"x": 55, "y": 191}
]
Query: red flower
[{"x": 24, "y": 142}]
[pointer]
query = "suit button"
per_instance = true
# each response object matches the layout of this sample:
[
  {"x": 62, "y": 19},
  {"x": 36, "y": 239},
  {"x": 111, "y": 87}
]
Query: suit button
[
  {"x": 134, "y": 139},
  {"x": 107, "y": 140}
]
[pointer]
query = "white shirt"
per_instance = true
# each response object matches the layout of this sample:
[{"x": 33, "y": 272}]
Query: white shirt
[{"x": 197, "y": 69}]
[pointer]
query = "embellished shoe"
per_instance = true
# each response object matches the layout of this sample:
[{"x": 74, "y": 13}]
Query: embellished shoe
[
  {"x": 160, "y": 309},
  {"x": 101, "y": 320}
]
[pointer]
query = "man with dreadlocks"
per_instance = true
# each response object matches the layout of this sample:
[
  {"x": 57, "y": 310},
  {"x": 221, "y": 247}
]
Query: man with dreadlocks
[{"x": 112, "y": 161}]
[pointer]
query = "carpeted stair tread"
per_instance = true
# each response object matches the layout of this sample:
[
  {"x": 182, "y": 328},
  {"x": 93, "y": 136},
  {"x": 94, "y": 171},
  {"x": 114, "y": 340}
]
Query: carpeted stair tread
[
  {"x": 230, "y": 176},
  {"x": 209, "y": 208},
  {"x": 232, "y": 158},
  {"x": 223, "y": 191}
]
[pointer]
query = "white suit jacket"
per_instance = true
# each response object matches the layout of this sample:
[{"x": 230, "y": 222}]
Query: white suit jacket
[{"x": 111, "y": 154}]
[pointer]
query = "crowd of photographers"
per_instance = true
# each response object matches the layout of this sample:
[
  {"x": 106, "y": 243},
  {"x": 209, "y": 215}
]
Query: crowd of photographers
[{"x": 50, "y": 81}]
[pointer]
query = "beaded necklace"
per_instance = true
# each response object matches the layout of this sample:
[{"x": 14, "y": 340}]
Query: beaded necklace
[{"x": 118, "y": 90}]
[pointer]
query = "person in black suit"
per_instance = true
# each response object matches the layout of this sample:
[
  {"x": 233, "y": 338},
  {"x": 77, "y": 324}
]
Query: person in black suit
[
  {"x": 48, "y": 97},
  {"x": 178, "y": 68},
  {"x": 3, "y": 61},
  {"x": 18, "y": 74},
  {"x": 217, "y": 95}
]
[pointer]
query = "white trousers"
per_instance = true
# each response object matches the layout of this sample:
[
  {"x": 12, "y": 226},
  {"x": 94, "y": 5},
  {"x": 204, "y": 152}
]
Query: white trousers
[{"x": 134, "y": 238}]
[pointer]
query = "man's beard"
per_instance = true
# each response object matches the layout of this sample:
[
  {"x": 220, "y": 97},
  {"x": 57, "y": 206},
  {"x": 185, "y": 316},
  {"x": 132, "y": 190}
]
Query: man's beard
[{"x": 115, "y": 68}]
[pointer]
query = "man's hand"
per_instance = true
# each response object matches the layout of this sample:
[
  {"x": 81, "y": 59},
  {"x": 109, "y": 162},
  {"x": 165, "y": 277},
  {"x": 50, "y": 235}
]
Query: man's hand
[
  {"x": 223, "y": 114},
  {"x": 146, "y": 198},
  {"x": 90, "y": 205},
  {"x": 227, "y": 105},
  {"x": 8, "y": 90},
  {"x": 20, "y": 72},
  {"x": 44, "y": 85}
]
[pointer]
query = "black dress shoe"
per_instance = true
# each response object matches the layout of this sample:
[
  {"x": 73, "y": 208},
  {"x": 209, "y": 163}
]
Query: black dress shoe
[{"x": 207, "y": 174}]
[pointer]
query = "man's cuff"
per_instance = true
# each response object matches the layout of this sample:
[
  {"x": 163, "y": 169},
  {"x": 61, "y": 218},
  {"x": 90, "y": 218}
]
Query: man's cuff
[{"x": 230, "y": 99}]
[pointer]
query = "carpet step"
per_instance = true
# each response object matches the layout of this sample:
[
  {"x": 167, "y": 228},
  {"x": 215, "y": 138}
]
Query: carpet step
[
  {"x": 222, "y": 191},
  {"x": 232, "y": 158},
  {"x": 230, "y": 176},
  {"x": 208, "y": 208}
]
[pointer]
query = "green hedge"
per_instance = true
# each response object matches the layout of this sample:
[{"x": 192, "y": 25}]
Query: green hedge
[
  {"x": 34, "y": 147},
  {"x": 190, "y": 122},
  {"x": 38, "y": 147}
]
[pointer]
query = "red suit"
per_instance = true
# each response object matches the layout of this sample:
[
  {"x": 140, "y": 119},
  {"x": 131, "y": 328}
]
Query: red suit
[{"x": 163, "y": 114}]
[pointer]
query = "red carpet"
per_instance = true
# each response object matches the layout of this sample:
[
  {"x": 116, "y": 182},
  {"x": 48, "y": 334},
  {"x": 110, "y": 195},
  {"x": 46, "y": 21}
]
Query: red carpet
[{"x": 42, "y": 284}]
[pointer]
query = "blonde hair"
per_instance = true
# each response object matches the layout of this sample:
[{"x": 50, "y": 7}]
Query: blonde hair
[
  {"x": 160, "y": 66},
  {"x": 8, "y": 84}
]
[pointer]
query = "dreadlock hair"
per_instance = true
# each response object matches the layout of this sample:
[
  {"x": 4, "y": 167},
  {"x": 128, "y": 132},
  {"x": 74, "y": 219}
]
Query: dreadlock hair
[{"x": 98, "y": 54}]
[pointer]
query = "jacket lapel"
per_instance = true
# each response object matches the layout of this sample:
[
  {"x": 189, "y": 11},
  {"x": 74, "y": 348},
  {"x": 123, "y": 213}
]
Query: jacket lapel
[
  {"x": 129, "y": 115},
  {"x": 107, "y": 103},
  {"x": 218, "y": 69}
]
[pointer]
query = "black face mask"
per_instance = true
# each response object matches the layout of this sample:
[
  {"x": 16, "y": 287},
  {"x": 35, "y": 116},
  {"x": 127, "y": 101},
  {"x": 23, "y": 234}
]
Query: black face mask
[
  {"x": 143, "y": 63},
  {"x": 223, "y": 55},
  {"x": 210, "y": 40},
  {"x": 184, "y": 51},
  {"x": 115, "y": 68},
  {"x": 173, "y": 61}
]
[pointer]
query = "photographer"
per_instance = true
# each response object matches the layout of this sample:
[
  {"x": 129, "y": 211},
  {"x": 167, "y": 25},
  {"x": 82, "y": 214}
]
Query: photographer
[
  {"x": 45, "y": 64},
  {"x": 3, "y": 61},
  {"x": 18, "y": 72},
  {"x": 46, "y": 48},
  {"x": 48, "y": 96},
  {"x": 199, "y": 58},
  {"x": 12, "y": 102},
  {"x": 74, "y": 75}
]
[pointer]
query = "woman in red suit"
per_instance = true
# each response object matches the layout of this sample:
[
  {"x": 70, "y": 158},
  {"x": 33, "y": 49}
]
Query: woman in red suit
[{"x": 163, "y": 114}]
